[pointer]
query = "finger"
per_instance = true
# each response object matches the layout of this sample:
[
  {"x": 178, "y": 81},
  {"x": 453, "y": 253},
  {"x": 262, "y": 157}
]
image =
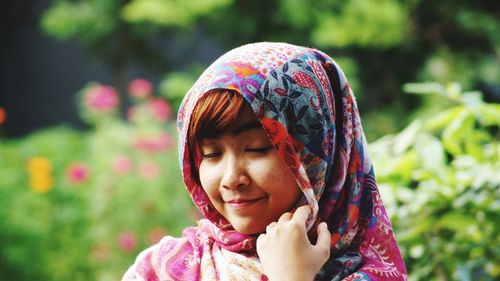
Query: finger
[
  {"x": 270, "y": 226},
  {"x": 301, "y": 214},
  {"x": 324, "y": 237},
  {"x": 260, "y": 240},
  {"x": 285, "y": 217}
]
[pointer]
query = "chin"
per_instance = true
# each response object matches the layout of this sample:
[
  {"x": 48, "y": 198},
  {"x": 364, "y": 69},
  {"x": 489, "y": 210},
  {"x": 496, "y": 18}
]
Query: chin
[{"x": 250, "y": 230}]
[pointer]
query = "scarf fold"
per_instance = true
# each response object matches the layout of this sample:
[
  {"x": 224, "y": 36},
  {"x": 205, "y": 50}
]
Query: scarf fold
[{"x": 304, "y": 102}]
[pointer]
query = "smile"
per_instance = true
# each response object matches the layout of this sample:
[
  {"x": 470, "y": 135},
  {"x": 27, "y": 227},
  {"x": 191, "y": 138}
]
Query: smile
[{"x": 243, "y": 203}]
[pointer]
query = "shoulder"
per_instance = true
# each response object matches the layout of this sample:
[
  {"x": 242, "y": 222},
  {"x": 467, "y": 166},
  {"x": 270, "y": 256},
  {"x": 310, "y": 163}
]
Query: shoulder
[{"x": 151, "y": 263}]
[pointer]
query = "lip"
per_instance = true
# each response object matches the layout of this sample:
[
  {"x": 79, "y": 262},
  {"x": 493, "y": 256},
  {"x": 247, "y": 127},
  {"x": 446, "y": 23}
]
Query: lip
[{"x": 244, "y": 202}]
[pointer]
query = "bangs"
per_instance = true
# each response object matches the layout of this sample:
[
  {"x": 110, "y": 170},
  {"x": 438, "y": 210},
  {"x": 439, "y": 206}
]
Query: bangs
[{"x": 215, "y": 113}]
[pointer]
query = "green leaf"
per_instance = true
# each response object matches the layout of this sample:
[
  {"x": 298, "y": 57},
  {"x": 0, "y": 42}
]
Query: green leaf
[
  {"x": 455, "y": 221},
  {"x": 175, "y": 85},
  {"x": 457, "y": 131},
  {"x": 405, "y": 139},
  {"x": 384, "y": 24},
  {"x": 86, "y": 21},
  {"x": 167, "y": 13},
  {"x": 443, "y": 119},
  {"x": 432, "y": 155},
  {"x": 490, "y": 114},
  {"x": 418, "y": 228},
  {"x": 170, "y": 12},
  {"x": 404, "y": 166},
  {"x": 430, "y": 88}
]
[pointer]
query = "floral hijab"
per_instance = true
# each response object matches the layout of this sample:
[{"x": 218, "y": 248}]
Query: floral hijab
[{"x": 302, "y": 99}]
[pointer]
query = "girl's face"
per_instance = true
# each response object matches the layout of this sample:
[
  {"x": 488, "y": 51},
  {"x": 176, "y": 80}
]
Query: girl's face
[{"x": 245, "y": 178}]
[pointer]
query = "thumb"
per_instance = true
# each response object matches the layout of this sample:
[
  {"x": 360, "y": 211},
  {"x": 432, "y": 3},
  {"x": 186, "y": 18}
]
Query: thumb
[{"x": 324, "y": 237}]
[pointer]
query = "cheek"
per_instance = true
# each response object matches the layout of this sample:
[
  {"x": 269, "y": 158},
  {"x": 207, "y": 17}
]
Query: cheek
[
  {"x": 272, "y": 174},
  {"x": 208, "y": 180},
  {"x": 261, "y": 171}
]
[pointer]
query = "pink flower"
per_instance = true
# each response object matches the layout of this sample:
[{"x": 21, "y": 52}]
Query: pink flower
[
  {"x": 152, "y": 144},
  {"x": 157, "y": 109},
  {"x": 149, "y": 170},
  {"x": 77, "y": 172},
  {"x": 101, "y": 98},
  {"x": 127, "y": 241},
  {"x": 160, "y": 109},
  {"x": 122, "y": 164},
  {"x": 156, "y": 234},
  {"x": 140, "y": 88}
]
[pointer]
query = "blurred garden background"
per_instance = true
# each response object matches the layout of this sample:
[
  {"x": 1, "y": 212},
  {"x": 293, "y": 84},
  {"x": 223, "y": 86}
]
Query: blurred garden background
[{"x": 89, "y": 91}]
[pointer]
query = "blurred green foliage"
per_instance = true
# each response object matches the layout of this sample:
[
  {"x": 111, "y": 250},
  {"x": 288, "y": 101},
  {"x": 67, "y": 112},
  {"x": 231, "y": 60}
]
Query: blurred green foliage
[
  {"x": 37, "y": 230},
  {"x": 440, "y": 184},
  {"x": 390, "y": 41},
  {"x": 169, "y": 13},
  {"x": 81, "y": 205},
  {"x": 384, "y": 24}
]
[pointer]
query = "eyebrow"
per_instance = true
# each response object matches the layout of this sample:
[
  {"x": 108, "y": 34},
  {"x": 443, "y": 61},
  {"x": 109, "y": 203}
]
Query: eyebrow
[
  {"x": 245, "y": 127},
  {"x": 237, "y": 130}
]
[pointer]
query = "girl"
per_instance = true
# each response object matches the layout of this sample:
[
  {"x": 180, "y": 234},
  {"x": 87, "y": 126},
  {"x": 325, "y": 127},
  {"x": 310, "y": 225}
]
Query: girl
[{"x": 274, "y": 157}]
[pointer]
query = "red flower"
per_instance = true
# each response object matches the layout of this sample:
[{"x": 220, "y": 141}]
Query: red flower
[
  {"x": 101, "y": 98},
  {"x": 160, "y": 109},
  {"x": 3, "y": 115},
  {"x": 155, "y": 143},
  {"x": 122, "y": 164},
  {"x": 157, "y": 109},
  {"x": 127, "y": 241},
  {"x": 77, "y": 172},
  {"x": 149, "y": 170},
  {"x": 140, "y": 88}
]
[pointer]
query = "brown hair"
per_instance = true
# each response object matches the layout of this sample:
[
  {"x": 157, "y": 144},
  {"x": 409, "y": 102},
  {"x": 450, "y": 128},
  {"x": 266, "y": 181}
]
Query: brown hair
[{"x": 215, "y": 113}]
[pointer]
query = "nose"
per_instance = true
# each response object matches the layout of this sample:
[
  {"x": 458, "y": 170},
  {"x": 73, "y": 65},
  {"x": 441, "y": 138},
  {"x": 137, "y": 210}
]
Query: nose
[{"x": 235, "y": 173}]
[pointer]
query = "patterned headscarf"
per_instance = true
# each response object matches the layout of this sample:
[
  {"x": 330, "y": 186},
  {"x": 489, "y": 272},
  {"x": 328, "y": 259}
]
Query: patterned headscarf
[{"x": 302, "y": 99}]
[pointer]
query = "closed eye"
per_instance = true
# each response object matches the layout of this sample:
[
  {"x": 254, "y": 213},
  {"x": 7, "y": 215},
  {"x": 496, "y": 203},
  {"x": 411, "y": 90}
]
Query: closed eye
[
  {"x": 211, "y": 155},
  {"x": 259, "y": 149}
]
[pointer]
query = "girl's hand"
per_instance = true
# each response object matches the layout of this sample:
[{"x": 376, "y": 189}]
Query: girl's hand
[{"x": 285, "y": 251}]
